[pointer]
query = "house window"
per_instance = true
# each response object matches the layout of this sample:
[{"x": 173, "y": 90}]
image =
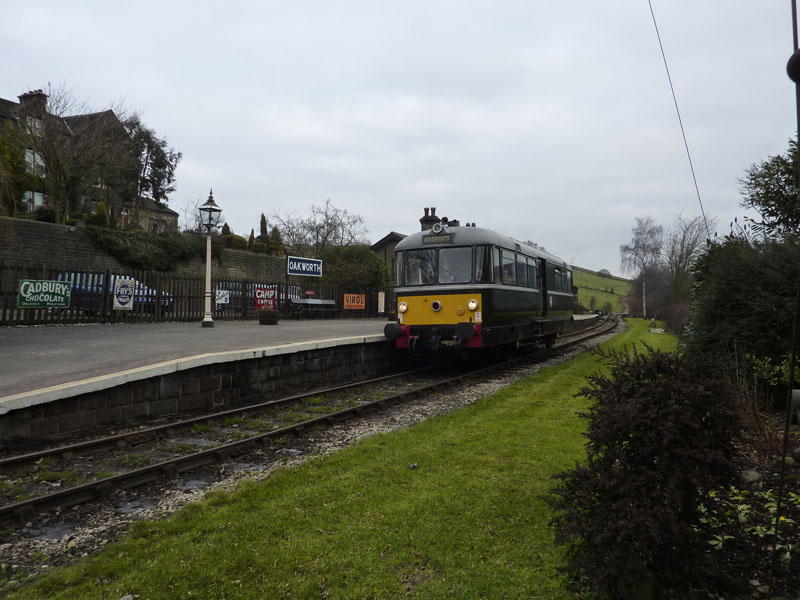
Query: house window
[
  {"x": 34, "y": 163},
  {"x": 33, "y": 199},
  {"x": 35, "y": 126}
]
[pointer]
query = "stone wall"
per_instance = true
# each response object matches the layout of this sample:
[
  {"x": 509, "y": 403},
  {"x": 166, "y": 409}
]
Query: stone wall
[
  {"x": 25, "y": 242},
  {"x": 210, "y": 388}
]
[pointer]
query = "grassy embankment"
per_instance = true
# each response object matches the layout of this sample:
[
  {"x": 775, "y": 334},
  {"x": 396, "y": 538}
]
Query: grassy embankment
[
  {"x": 451, "y": 508},
  {"x": 596, "y": 292}
]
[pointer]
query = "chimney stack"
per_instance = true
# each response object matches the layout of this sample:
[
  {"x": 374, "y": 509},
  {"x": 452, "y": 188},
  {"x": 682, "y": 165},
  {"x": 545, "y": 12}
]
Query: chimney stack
[
  {"x": 33, "y": 103},
  {"x": 430, "y": 219}
]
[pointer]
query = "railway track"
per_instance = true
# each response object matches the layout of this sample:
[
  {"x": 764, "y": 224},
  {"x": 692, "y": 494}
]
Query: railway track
[{"x": 41, "y": 481}]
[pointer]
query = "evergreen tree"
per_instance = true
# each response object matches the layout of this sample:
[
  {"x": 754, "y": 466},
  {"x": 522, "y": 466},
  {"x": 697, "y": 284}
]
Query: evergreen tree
[{"x": 771, "y": 189}]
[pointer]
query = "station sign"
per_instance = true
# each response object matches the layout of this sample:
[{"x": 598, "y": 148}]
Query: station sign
[
  {"x": 124, "y": 290},
  {"x": 34, "y": 293},
  {"x": 355, "y": 302},
  {"x": 307, "y": 267},
  {"x": 265, "y": 298}
]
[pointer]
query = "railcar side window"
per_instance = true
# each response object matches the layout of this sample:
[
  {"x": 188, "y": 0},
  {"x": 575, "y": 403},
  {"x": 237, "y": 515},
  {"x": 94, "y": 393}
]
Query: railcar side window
[
  {"x": 533, "y": 273},
  {"x": 563, "y": 281},
  {"x": 420, "y": 267},
  {"x": 509, "y": 267},
  {"x": 483, "y": 264},
  {"x": 522, "y": 270},
  {"x": 455, "y": 265}
]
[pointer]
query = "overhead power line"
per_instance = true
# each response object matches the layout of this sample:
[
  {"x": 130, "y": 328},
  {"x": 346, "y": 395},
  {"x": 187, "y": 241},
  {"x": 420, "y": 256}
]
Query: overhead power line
[{"x": 680, "y": 121}]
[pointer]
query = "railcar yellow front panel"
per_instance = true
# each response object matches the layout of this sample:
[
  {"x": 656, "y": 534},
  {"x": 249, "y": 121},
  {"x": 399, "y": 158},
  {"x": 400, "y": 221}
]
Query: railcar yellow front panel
[{"x": 452, "y": 309}]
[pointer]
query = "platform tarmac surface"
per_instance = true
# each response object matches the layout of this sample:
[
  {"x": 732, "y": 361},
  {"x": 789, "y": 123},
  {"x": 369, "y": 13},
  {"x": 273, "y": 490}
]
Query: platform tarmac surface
[{"x": 37, "y": 357}]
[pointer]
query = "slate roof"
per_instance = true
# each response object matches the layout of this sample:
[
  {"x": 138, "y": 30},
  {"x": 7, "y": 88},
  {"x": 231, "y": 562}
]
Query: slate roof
[
  {"x": 8, "y": 109},
  {"x": 389, "y": 237}
]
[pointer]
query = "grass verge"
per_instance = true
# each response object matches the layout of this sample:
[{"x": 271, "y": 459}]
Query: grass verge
[{"x": 452, "y": 507}]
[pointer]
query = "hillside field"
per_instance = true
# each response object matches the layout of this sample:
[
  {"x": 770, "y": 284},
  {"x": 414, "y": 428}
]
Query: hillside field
[{"x": 598, "y": 292}]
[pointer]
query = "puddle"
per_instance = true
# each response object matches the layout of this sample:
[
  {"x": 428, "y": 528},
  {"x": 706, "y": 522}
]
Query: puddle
[
  {"x": 290, "y": 451},
  {"x": 134, "y": 506},
  {"x": 54, "y": 532},
  {"x": 200, "y": 442},
  {"x": 192, "y": 484}
]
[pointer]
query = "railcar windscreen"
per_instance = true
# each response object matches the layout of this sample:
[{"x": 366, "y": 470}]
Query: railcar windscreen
[
  {"x": 455, "y": 265},
  {"x": 419, "y": 267}
]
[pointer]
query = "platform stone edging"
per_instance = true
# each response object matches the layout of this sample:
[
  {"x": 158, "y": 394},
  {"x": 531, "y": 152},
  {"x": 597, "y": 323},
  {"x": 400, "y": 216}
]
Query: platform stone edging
[{"x": 103, "y": 382}]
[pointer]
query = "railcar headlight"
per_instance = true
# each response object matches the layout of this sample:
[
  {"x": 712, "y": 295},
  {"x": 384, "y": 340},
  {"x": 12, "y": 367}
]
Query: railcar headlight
[
  {"x": 436, "y": 306},
  {"x": 472, "y": 305},
  {"x": 402, "y": 307}
]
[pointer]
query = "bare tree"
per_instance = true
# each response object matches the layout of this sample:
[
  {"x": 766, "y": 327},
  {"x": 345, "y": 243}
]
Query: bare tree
[
  {"x": 327, "y": 226},
  {"x": 189, "y": 215},
  {"x": 643, "y": 252},
  {"x": 685, "y": 242}
]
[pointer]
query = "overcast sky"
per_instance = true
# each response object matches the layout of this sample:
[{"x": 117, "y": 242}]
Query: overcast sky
[{"x": 550, "y": 121}]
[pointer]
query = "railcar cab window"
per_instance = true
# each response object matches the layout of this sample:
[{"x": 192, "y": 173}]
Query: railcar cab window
[
  {"x": 419, "y": 267},
  {"x": 455, "y": 265}
]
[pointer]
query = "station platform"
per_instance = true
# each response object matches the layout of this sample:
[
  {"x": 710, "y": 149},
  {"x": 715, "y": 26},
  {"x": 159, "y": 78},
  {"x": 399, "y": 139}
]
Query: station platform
[
  {"x": 50, "y": 362},
  {"x": 57, "y": 381}
]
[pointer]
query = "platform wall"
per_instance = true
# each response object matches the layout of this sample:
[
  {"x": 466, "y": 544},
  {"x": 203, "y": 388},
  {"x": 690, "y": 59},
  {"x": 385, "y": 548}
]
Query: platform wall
[{"x": 211, "y": 388}]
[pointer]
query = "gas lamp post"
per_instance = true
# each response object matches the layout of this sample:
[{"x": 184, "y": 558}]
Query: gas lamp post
[{"x": 209, "y": 217}]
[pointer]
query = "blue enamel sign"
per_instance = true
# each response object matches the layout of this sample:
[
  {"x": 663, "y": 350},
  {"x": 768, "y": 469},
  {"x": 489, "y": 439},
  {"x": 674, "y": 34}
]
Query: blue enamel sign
[{"x": 308, "y": 267}]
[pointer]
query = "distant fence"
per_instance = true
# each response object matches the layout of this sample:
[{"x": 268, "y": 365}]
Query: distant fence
[{"x": 157, "y": 296}]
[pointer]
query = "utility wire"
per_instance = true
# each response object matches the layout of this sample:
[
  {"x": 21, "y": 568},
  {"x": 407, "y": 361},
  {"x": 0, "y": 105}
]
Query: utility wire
[{"x": 680, "y": 121}]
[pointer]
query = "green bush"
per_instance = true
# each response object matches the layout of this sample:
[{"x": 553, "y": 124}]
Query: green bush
[
  {"x": 354, "y": 268},
  {"x": 99, "y": 218},
  {"x": 150, "y": 251},
  {"x": 236, "y": 242},
  {"x": 660, "y": 436}
]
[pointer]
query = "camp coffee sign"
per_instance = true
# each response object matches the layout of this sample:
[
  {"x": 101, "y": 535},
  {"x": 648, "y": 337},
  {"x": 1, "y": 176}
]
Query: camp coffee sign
[
  {"x": 35, "y": 293},
  {"x": 265, "y": 298}
]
